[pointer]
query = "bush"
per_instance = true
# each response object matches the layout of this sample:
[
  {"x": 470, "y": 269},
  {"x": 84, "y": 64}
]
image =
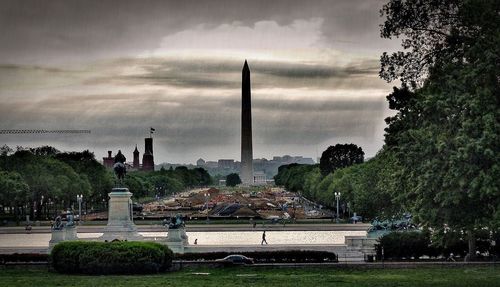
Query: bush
[
  {"x": 23, "y": 257},
  {"x": 404, "y": 245},
  {"x": 291, "y": 256},
  {"x": 110, "y": 257}
]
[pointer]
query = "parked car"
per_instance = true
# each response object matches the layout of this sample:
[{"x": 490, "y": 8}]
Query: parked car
[{"x": 236, "y": 259}]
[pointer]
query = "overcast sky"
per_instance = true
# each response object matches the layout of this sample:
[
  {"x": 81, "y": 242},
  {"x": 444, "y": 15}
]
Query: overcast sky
[{"x": 119, "y": 67}]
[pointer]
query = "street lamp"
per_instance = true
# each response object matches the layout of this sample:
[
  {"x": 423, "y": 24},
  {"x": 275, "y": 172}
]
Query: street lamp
[
  {"x": 41, "y": 205},
  {"x": 79, "y": 198},
  {"x": 337, "y": 197},
  {"x": 206, "y": 204}
]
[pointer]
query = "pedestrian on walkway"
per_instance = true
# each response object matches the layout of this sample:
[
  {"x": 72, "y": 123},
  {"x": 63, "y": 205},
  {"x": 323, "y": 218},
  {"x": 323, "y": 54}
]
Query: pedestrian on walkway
[
  {"x": 28, "y": 228},
  {"x": 263, "y": 238}
]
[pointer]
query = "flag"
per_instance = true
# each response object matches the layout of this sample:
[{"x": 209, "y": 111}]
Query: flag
[{"x": 152, "y": 130}]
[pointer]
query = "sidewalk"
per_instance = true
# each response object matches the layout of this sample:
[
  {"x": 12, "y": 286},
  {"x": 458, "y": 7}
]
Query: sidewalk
[{"x": 206, "y": 228}]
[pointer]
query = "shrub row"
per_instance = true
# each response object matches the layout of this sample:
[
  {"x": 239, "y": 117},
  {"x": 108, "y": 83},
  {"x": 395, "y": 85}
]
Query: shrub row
[
  {"x": 23, "y": 257},
  {"x": 399, "y": 245},
  {"x": 110, "y": 257},
  {"x": 414, "y": 244},
  {"x": 292, "y": 256}
]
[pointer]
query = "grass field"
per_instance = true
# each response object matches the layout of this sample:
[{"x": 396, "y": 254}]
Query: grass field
[{"x": 242, "y": 276}]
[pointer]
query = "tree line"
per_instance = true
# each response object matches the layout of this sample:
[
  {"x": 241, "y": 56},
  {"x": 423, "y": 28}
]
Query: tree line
[
  {"x": 441, "y": 155},
  {"x": 42, "y": 181},
  {"x": 364, "y": 186}
]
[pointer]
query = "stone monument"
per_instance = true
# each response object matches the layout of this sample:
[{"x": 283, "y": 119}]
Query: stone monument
[
  {"x": 246, "y": 173},
  {"x": 120, "y": 214},
  {"x": 177, "y": 238},
  {"x": 70, "y": 228},
  {"x": 57, "y": 232},
  {"x": 63, "y": 232}
]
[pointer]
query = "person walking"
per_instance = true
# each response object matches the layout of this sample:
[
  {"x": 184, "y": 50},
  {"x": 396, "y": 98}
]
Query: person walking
[
  {"x": 28, "y": 228},
  {"x": 263, "y": 238}
]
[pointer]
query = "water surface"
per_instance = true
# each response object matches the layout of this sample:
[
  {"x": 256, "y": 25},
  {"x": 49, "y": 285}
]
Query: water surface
[{"x": 206, "y": 238}]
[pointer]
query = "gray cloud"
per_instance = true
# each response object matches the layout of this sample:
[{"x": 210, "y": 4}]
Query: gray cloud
[
  {"x": 225, "y": 74},
  {"x": 62, "y": 30},
  {"x": 92, "y": 65}
]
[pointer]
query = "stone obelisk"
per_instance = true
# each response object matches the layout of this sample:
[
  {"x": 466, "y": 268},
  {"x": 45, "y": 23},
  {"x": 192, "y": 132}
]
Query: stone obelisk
[{"x": 246, "y": 128}]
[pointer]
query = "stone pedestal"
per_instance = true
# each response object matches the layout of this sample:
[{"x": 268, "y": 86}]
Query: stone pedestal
[
  {"x": 120, "y": 225},
  {"x": 57, "y": 236},
  {"x": 177, "y": 239},
  {"x": 70, "y": 233}
]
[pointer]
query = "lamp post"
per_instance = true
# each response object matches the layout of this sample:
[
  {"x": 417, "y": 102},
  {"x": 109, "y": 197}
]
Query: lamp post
[
  {"x": 206, "y": 204},
  {"x": 41, "y": 205},
  {"x": 79, "y": 198},
  {"x": 337, "y": 197}
]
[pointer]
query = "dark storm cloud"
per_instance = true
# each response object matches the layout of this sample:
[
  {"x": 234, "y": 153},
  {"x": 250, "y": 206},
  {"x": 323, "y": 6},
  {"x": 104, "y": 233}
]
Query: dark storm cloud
[
  {"x": 225, "y": 74},
  {"x": 294, "y": 70}
]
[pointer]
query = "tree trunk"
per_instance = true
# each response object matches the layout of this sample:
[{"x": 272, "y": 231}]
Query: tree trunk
[{"x": 472, "y": 245}]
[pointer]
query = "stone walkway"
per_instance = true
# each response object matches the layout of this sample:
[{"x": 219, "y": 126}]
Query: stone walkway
[{"x": 206, "y": 228}]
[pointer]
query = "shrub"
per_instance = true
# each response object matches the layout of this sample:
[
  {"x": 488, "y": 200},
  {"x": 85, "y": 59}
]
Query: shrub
[
  {"x": 23, "y": 257},
  {"x": 290, "y": 256},
  {"x": 110, "y": 257},
  {"x": 406, "y": 244}
]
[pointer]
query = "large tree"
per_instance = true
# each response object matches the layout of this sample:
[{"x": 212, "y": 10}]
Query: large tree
[
  {"x": 445, "y": 132},
  {"x": 340, "y": 156},
  {"x": 233, "y": 179},
  {"x": 14, "y": 192}
]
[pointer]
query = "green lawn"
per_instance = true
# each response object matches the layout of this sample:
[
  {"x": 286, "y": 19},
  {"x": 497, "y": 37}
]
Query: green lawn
[{"x": 315, "y": 277}]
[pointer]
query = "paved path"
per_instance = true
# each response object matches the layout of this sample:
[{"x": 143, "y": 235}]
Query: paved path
[{"x": 207, "y": 228}]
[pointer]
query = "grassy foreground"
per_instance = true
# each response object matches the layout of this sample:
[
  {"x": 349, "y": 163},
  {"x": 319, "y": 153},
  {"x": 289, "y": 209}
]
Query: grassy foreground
[{"x": 240, "y": 276}]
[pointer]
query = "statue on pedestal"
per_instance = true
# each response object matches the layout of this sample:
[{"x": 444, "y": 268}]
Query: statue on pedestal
[
  {"x": 176, "y": 222},
  {"x": 58, "y": 225},
  {"x": 70, "y": 219},
  {"x": 119, "y": 167}
]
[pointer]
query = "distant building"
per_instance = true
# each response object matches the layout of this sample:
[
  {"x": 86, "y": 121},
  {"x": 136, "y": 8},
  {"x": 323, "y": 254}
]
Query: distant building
[
  {"x": 108, "y": 161},
  {"x": 225, "y": 163},
  {"x": 136, "y": 164},
  {"x": 259, "y": 178},
  {"x": 211, "y": 164},
  {"x": 148, "y": 163},
  {"x": 200, "y": 162}
]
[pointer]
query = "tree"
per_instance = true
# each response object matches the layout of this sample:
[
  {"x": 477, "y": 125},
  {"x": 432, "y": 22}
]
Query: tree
[
  {"x": 49, "y": 179},
  {"x": 13, "y": 190},
  {"x": 435, "y": 32},
  {"x": 340, "y": 156},
  {"x": 445, "y": 133},
  {"x": 202, "y": 176},
  {"x": 233, "y": 179},
  {"x": 84, "y": 163}
]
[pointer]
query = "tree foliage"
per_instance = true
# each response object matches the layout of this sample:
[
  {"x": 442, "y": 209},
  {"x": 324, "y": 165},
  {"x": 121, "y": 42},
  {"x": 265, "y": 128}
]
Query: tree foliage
[
  {"x": 435, "y": 33},
  {"x": 33, "y": 178},
  {"x": 445, "y": 133},
  {"x": 367, "y": 188},
  {"x": 233, "y": 179},
  {"x": 340, "y": 156}
]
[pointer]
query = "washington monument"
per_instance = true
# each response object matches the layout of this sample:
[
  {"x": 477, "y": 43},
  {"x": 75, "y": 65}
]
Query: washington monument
[{"x": 246, "y": 128}]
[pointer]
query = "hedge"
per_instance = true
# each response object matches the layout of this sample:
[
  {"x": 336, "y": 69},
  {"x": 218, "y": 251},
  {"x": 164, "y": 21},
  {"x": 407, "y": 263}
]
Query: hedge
[
  {"x": 110, "y": 257},
  {"x": 23, "y": 257},
  {"x": 290, "y": 256},
  {"x": 414, "y": 244},
  {"x": 404, "y": 245}
]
